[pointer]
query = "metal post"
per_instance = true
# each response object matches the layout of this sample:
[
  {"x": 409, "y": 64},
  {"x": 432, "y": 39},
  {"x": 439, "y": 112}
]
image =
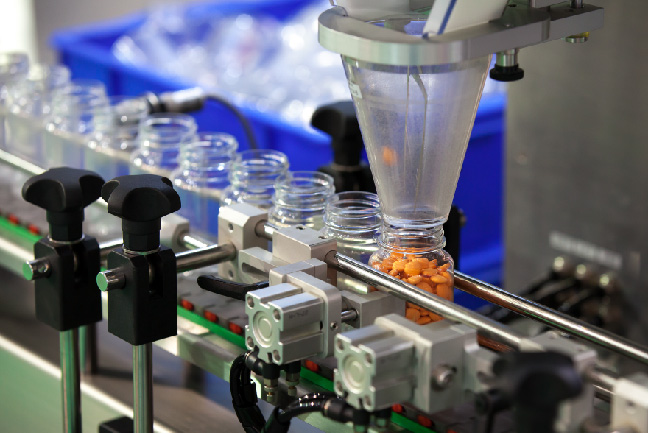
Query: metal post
[
  {"x": 70, "y": 381},
  {"x": 551, "y": 317},
  {"x": 143, "y": 388},
  {"x": 486, "y": 327},
  {"x": 210, "y": 255}
]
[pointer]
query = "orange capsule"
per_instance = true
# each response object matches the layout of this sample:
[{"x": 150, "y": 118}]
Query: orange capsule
[
  {"x": 413, "y": 268},
  {"x": 438, "y": 279},
  {"x": 435, "y": 317},
  {"x": 425, "y": 286},
  {"x": 429, "y": 272},
  {"x": 413, "y": 314},
  {"x": 393, "y": 273},
  {"x": 415, "y": 279},
  {"x": 446, "y": 275},
  {"x": 445, "y": 291},
  {"x": 424, "y": 313},
  {"x": 424, "y": 320},
  {"x": 389, "y": 156},
  {"x": 425, "y": 263},
  {"x": 410, "y": 305},
  {"x": 399, "y": 265}
]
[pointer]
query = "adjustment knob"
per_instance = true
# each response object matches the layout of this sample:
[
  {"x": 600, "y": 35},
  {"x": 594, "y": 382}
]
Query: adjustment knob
[
  {"x": 340, "y": 122},
  {"x": 63, "y": 192},
  {"x": 141, "y": 200}
]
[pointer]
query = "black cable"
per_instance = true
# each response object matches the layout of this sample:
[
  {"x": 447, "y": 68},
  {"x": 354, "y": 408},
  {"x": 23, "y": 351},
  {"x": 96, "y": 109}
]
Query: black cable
[
  {"x": 295, "y": 410},
  {"x": 245, "y": 123},
  {"x": 244, "y": 398}
]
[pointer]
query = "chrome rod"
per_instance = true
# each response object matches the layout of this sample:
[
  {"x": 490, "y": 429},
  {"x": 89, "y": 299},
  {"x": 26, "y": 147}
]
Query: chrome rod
[
  {"x": 550, "y": 317},
  {"x": 20, "y": 164},
  {"x": 210, "y": 255},
  {"x": 70, "y": 380},
  {"x": 486, "y": 327},
  {"x": 143, "y": 388}
]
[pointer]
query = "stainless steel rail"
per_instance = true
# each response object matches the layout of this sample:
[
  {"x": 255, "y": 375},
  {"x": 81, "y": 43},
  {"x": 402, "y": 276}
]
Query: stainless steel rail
[
  {"x": 206, "y": 256},
  {"x": 551, "y": 317}
]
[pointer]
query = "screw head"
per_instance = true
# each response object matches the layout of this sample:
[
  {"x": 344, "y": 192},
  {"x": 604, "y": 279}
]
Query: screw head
[
  {"x": 249, "y": 342},
  {"x": 276, "y": 314},
  {"x": 442, "y": 376},
  {"x": 250, "y": 301},
  {"x": 334, "y": 326}
]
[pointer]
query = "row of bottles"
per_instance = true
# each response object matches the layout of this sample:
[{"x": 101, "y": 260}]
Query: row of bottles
[{"x": 51, "y": 120}]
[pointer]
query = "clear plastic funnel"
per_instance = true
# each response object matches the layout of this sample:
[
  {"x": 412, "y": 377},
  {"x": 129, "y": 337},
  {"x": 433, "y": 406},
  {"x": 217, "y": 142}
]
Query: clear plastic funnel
[{"x": 416, "y": 122}]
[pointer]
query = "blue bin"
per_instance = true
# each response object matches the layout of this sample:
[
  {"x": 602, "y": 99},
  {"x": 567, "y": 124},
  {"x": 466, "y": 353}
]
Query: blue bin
[{"x": 87, "y": 52}]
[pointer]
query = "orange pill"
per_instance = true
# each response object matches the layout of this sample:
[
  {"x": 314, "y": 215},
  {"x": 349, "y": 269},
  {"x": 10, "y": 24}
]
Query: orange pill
[
  {"x": 410, "y": 305},
  {"x": 413, "y": 314},
  {"x": 425, "y": 263},
  {"x": 438, "y": 279},
  {"x": 376, "y": 265},
  {"x": 425, "y": 286},
  {"x": 415, "y": 279},
  {"x": 429, "y": 272},
  {"x": 446, "y": 275},
  {"x": 399, "y": 265},
  {"x": 424, "y": 320},
  {"x": 393, "y": 273},
  {"x": 413, "y": 268},
  {"x": 396, "y": 256},
  {"x": 389, "y": 156},
  {"x": 424, "y": 313},
  {"x": 445, "y": 291},
  {"x": 435, "y": 317}
]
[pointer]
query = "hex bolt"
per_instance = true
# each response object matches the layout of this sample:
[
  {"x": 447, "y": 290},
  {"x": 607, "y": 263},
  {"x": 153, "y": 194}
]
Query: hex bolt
[
  {"x": 36, "y": 269},
  {"x": 270, "y": 387},
  {"x": 442, "y": 376},
  {"x": 249, "y": 342},
  {"x": 250, "y": 302},
  {"x": 276, "y": 314}
]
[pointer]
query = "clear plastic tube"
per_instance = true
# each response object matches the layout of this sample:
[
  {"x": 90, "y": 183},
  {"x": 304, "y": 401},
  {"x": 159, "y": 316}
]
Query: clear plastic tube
[
  {"x": 159, "y": 141},
  {"x": 300, "y": 199},
  {"x": 71, "y": 121},
  {"x": 114, "y": 136},
  {"x": 353, "y": 219},
  {"x": 253, "y": 176},
  {"x": 29, "y": 102},
  {"x": 201, "y": 177}
]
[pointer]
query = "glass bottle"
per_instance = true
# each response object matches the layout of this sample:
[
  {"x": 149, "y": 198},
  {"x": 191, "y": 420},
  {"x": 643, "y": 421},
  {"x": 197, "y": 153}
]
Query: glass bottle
[
  {"x": 71, "y": 121},
  {"x": 159, "y": 141},
  {"x": 29, "y": 102},
  {"x": 114, "y": 136},
  {"x": 201, "y": 177},
  {"x": 13, "y": 65},
  {"x": 253, "y": 176},
  {"x": 300, "y": 199},
  {"x": 353, "y": 219}
]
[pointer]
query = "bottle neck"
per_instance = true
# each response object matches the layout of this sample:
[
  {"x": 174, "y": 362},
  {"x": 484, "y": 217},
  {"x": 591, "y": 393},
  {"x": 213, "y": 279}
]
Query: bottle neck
[
  {"x": 413, "y": 237},
  {"x": 353, "y": 216}
]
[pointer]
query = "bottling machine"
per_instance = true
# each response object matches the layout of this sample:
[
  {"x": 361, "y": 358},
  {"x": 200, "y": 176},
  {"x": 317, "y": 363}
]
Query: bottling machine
[{"x": 266, "y": 306}]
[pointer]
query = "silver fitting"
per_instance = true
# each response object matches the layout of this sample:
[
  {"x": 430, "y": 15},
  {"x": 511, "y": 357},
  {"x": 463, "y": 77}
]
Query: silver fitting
[
  {"x": 35, "y": 269},
  {"x": 294, "y": 320},
  {"x": 396, "y": 361}
]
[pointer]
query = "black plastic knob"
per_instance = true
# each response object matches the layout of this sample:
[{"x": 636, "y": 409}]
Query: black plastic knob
[
  {"x": 141, "y": 200},
  {"x": 506, "y": 74},
  {"x": 340, "y": 122},
  {"x": 536, "y": 383},
  {"x": 63, "y": 192}
]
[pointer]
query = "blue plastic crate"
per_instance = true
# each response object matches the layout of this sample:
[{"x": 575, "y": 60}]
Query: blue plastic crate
[{"x": 87, "y": 52}]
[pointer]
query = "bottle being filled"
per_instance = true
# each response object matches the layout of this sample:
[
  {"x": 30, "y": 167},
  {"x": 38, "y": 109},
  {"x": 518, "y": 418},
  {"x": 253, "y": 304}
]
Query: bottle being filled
[
  {"x": 253, "y": 177},
  {"x": 353, "y": 219},
  {"x": 71, "y": 121},
  {"x": 300, "y": 199},
  {"x": 201, "y": 178},
  {"x": 416, "y": 122},
  {"x": 159, "y": 139}
]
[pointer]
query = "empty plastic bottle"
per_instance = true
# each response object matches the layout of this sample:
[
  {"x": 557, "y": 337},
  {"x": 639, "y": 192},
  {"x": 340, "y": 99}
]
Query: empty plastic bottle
[
  {"x": 300, "y": 199},
  {"x": 201, "y": 177}
]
